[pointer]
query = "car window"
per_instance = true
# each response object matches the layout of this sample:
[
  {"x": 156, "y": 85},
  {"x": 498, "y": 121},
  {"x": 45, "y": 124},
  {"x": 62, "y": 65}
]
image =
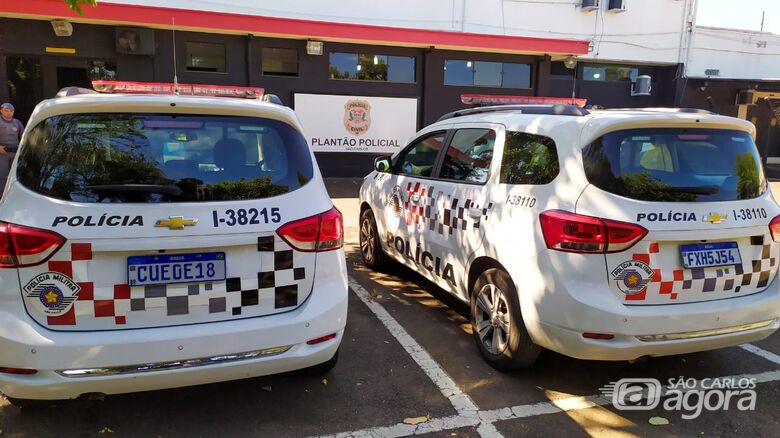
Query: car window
[
  {"x": 149, "y": 158},
  {"x": 674, "y": 164},
  {"x": 528, "y": 159},
  {"x": 469, "y": 155},
  {"x": 419, "y": 158}
]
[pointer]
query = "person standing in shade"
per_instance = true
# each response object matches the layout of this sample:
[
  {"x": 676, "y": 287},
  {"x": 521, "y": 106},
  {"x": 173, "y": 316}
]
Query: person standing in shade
[{"x": 10, "y": 133}]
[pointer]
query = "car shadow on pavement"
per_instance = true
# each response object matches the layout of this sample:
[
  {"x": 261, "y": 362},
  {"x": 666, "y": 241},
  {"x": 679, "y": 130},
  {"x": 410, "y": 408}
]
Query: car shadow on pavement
[{"x": 440, "y": 323}]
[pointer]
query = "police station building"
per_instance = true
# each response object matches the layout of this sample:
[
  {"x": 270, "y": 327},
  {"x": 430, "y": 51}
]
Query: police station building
[{"x": 363, "y": 76}]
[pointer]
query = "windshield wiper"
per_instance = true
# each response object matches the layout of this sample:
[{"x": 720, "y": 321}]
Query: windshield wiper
[
  {"x": 167, "y": 189},
  {"x": 704, "y": 190}
]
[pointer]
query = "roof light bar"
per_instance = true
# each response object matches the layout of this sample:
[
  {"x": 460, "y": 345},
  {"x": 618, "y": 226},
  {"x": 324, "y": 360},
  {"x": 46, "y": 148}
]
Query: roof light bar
[
  {"x": 183, "y": 89},
  {"x": 490, "y": 99}
]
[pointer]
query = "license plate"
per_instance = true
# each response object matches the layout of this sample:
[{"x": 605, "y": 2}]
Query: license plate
[
  {"x": 706, "y": 255},
  {"x": 175, "y": 268}
]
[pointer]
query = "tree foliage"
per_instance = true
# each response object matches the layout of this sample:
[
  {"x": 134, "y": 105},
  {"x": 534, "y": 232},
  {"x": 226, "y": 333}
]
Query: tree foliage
[
  {"x": 76, "y": 4},
  {"x": 749, "y": 185}
]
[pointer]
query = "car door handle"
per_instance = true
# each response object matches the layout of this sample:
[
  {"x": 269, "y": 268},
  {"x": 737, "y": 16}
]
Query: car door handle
[
  {"x": 416, "y": 198},
  {"x": 475, "y": 213}
]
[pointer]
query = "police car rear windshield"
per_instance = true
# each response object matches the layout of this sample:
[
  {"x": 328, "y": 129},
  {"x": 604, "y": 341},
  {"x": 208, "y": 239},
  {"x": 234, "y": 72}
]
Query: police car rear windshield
[
  {"x": 153, "y": 158},
  {"x": 678, "y": 165}
]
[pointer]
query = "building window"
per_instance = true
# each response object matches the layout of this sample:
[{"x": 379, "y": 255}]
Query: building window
[
  {"x": 613, "y": 73},
  {"x": 487, "y": 74},
  {"x": 368, "y": 67},
  {"x": 559, "y": 72},
  {"x": 206, "y": 57},
  {"x": 280, "y": 62}
]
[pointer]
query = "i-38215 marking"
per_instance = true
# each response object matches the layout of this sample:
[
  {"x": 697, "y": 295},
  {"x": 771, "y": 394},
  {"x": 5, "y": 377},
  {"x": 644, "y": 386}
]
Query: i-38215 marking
[{"x": 251, "y": 216}]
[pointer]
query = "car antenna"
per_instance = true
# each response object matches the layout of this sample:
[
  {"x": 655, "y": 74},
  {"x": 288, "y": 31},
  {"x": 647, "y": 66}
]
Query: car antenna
[{"x": 175, "y": 78}]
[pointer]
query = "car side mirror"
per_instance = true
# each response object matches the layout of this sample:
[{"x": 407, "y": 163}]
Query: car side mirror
[{"x": 382, "y": 164}]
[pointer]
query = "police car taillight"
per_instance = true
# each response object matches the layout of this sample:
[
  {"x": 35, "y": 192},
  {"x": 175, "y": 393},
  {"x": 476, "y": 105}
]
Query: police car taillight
[
  {"x": 126, "y": 87},
  {"x": 571, "y": 232},
  {"x": 13, "y": 370},
  {"x": 25, "y": 246},
  {"x": 774, "y": 228},
  {"x": 322, "y": 232}
]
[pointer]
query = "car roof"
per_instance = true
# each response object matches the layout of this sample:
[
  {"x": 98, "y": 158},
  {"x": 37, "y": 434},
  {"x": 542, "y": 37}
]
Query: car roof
[
  {"x": 161, "y": 104},
  {"x": 595, "y": 123}
]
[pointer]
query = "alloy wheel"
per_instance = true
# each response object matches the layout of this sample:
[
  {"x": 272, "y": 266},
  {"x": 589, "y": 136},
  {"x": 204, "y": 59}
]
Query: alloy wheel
[
  {"x": 492, "y": 319},
  {"x": 367, "y": 240}
]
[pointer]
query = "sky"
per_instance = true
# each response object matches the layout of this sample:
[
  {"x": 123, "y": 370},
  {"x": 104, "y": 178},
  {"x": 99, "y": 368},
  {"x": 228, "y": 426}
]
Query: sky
[{"x": 740, "y": 14}]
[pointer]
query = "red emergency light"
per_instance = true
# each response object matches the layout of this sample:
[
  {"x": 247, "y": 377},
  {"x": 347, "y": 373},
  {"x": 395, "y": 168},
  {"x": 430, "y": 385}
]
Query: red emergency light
[
  {"x": 491, "y": 99},
  {"x": 183, "y": 89}
]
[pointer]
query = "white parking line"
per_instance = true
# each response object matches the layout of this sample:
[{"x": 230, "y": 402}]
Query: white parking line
[
  {"x": 768, "y": 355},
  {"x": 460, "y": 401},
  {"x": 486, "y": 419},
  {"x": 469, "y": 414}
]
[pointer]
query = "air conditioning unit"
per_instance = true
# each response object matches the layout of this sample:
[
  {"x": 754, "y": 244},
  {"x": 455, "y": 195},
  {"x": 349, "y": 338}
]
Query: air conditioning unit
[
  {"x": 589, "y": 5},
  {"x": 616, "y": 6},
  {"x": 641, "y": 86},
  {"x": 134, "y": 41}
]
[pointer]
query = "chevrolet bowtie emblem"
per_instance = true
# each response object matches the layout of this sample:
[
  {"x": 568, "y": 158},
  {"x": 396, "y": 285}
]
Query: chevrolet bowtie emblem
[
  {"x": 175, "y": 222},
  {"x": 715, "y": 218}
]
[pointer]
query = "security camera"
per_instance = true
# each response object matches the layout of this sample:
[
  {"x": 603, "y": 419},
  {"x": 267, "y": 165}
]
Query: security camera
[
  {"x": 62, "y": 28},
  {"x": 570, "y": 62}
]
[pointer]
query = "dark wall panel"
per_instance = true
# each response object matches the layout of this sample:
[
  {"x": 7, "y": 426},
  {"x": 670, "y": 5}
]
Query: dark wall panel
[
  {"x": 721, "y": 95},
  {"x": 315, "y": 73},
  {"x": 29, "y": 38},
  {"x": 314, "y": 77},
  {"x": 441, "y": 99},
  {"x": 618, "y": 94}
]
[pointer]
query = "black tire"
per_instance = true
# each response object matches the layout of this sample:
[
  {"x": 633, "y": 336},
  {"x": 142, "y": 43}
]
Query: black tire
[
  {"x": 324, "y": 367},
  {"x": 504, "y": 351},
  {"x": 370, "y": 244}
]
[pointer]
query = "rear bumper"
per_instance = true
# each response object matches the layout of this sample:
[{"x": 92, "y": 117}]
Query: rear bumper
[
  {"x": 628, "y": 347},
  {"x": 558, "y": 324},
  {"x": 25, "y": 344}
]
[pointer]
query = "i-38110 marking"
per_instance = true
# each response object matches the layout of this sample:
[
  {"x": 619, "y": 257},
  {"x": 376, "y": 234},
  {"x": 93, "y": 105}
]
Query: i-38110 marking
[{"x": 747, "y": 214}]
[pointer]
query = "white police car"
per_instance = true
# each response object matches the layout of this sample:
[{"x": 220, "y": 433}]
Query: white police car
[
  {"x": 157, "y": 241},
  {"x": 605, "y": 235}
]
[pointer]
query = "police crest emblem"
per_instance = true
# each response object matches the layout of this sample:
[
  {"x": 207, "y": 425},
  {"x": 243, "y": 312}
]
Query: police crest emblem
[
  {"x": 357, "y": 116},
  {"x": 54, "y": 291}
]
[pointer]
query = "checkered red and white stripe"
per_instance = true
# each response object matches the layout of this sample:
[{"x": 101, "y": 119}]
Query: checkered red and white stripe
[
  {"x": 440, "y": 212},
  {"x": 266, "y": 278},
  {"x": 758, "y": 268}
]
